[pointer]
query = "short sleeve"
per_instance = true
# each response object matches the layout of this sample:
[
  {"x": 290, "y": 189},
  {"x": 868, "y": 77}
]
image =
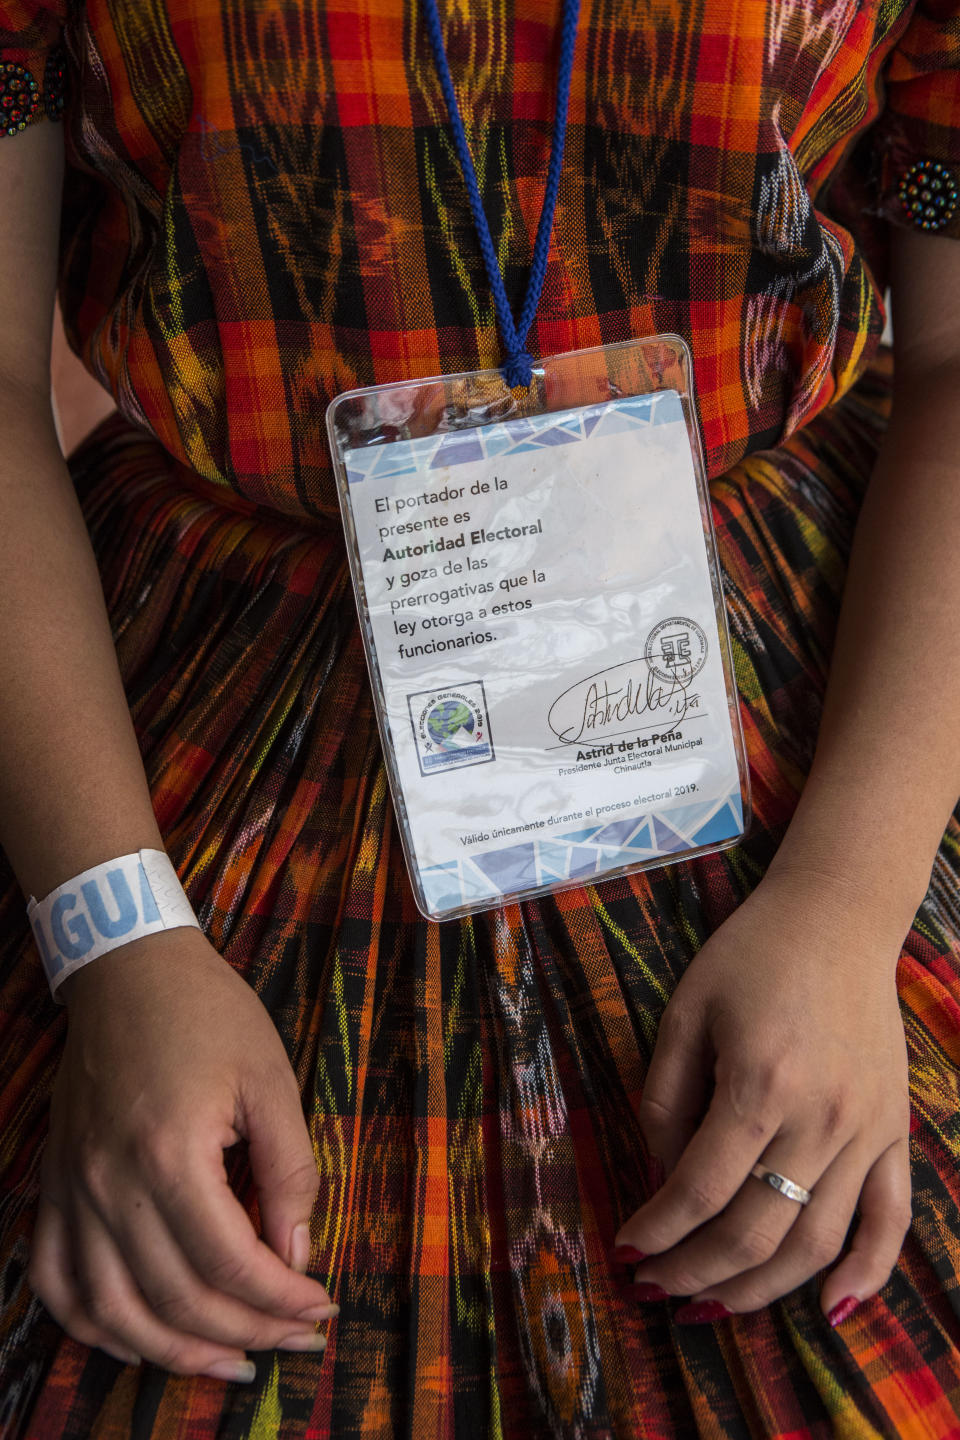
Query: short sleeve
[
  {"x": 32, "y": 63},
  {"x": 917, "y": 138}
]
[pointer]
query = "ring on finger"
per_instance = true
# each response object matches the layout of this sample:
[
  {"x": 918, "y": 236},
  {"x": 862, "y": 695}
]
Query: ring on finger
[{"x": 784, "y": 1186}]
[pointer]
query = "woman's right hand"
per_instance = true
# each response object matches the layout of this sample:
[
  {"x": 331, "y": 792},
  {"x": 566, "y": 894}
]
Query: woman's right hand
[{"x": 141, "y": 1247}]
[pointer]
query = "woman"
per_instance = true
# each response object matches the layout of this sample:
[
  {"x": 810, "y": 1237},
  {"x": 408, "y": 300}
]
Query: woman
[{"x": 261, "y": 208}]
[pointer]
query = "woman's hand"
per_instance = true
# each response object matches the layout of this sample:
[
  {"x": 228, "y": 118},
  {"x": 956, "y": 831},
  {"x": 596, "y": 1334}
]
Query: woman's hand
[
  {"x": 141, "y": 1247},
  {"x": 783, "y": 1043}
]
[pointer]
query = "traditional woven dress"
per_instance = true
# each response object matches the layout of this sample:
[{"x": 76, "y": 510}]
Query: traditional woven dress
[{"x": 263, "y": 207}]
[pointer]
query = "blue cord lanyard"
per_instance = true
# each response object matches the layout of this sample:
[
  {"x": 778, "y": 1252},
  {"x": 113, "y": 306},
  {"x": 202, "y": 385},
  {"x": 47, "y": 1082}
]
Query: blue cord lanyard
[{"x": 517, "y": 368}]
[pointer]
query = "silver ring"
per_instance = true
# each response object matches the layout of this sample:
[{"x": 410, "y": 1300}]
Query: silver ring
[{"x": 782, "y": 1185}]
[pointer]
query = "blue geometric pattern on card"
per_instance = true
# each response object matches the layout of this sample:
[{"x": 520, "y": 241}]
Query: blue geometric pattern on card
[
  {"x": 466, "y": 448},
  {"x": 583, "y": 854},
  {"x": 510, "y": 869},
  {"x": 666, "y": 838},
  {"x": 512, "y": 437},
  {"x": 616, "y": 833}
]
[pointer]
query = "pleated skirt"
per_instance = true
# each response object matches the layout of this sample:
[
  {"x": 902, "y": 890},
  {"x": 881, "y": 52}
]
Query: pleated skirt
[{"x": 471, "y": 1088}]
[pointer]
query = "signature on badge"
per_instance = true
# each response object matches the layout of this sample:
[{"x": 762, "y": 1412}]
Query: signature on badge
[{"x": 657, "y": 683}]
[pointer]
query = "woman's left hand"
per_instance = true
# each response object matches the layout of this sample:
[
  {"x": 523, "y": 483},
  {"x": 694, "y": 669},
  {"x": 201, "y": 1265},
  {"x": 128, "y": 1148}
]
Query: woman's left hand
[{"x": 783, "y": 1043}]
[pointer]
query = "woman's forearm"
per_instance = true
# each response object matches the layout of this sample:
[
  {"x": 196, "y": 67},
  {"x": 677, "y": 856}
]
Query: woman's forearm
[
  {"x": 887, "y": 768},
  {"x": 72, "y": 787}
]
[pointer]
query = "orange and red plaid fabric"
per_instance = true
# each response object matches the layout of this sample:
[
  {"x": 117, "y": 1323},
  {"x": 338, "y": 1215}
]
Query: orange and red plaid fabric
[{"x": 262, "y": 208}]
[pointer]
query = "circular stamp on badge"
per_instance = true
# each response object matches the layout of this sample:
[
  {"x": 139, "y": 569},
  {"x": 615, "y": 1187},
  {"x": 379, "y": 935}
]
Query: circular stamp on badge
[
  {"x": 676, "y": 650},
  {"x": 451, "y": 727}
]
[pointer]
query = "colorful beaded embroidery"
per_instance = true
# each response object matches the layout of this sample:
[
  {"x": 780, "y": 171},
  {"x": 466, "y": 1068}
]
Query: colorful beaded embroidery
[
  {"x": 21, "y": 101},
  {"x": 55, "y": 83},
  {"x": 928, "y": 193}
]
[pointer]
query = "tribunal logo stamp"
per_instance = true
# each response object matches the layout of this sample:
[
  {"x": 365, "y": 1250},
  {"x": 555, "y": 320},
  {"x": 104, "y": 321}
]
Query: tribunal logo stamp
[
  {"x": 676, "y": 650},
  {"x": 451, "y": 727}
]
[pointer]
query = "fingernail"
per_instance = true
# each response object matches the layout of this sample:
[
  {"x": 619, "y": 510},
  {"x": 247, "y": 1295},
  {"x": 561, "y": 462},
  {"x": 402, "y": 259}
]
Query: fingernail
[
  {"x": 300, "y": 1248},
  {"x": 311, "y": 1340},
  {"x": 646, "y": 1291},
  {"x": 320, "y": 1312},
  {"x": 840, "y": 1312},
  {"x": 242, "y": 1371},
  {"x": 702, "y": 1312},
  {"x": 626, "y": 1255},
  {"x": 658, "y": 1174}
]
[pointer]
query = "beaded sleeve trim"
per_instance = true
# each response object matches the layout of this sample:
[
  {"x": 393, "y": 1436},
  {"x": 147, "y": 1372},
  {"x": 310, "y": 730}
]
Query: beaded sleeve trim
[
  {"x": 22, "y": 102},
  {"x": 929, "y": 194}
]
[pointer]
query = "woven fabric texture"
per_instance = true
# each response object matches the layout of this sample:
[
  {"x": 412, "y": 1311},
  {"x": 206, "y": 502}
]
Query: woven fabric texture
[{"x": 263, "y": 207}]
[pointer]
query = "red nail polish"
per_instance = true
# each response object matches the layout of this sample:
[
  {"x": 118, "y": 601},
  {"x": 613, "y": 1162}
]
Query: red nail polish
[
  {"x": 702, "y": 1312},
  {"x": 626, "y": 1255},
  {"x": 646, "y": 1292},
  {"x": 658, "y": 1174},
  {"x": 840, "y": 1312}
]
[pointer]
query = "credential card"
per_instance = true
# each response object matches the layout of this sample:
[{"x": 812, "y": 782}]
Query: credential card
[{"x": 544, "y": 632}]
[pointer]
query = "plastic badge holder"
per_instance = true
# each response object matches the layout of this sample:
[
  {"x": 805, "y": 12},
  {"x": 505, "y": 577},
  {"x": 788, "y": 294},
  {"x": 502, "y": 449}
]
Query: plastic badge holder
[{"x": 540, "y": 600}]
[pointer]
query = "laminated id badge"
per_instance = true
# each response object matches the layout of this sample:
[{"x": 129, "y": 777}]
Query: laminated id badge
[{"x": 539, "y": 594}]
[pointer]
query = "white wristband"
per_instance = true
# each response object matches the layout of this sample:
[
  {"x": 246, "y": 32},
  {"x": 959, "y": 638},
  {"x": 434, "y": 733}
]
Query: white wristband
[{"x": 105, "y": 907}]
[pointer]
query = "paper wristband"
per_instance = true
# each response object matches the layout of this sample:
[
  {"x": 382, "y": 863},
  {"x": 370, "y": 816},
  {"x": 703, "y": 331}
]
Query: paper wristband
[{"x": 105, "y": 907}]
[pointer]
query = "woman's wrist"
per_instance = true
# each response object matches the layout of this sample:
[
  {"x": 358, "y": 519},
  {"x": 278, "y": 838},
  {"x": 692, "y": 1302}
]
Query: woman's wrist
[
  {"x": 859, "y": 899},
  {"x": 147, "y": 964},
  {"x": 107, "y": 907}
]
